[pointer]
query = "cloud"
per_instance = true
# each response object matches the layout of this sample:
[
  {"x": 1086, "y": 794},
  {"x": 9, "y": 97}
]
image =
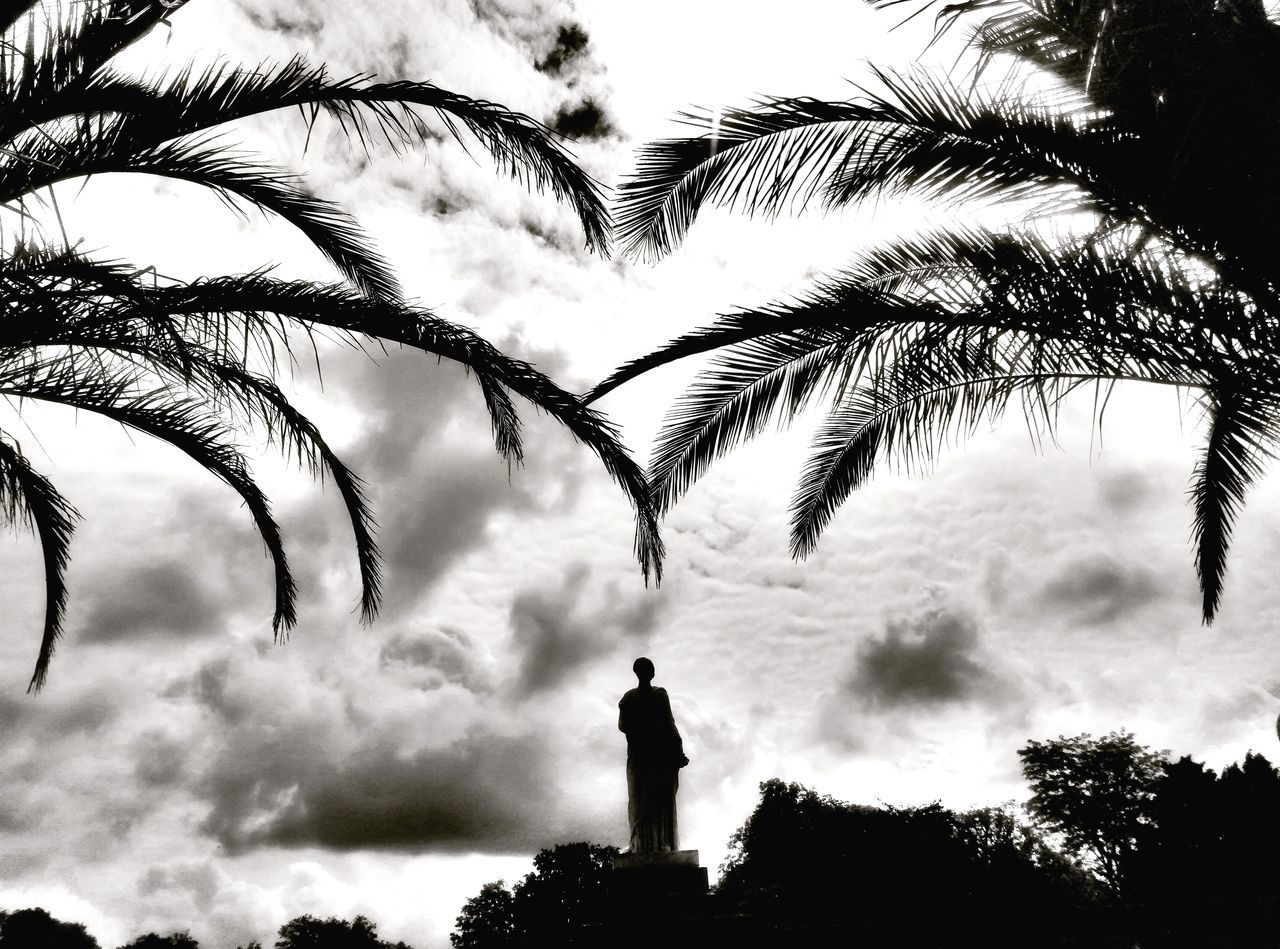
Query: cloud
[
  {"x": 555, "y": 634},
  {"x": 303, "y": 24},
  {"x": 485, "y": 793},
  {"x": 1127, "y": 490},
  {"x": 569, "y": 49},
  {"x": 155, "y": 599},
  {"x": 1097, "y": 589},
  {"x": 438, "y": 656},
  {"x": 584, "y": 121},
  {"x": 931, "y": 658},
  {"x": 435, "y": 480}
]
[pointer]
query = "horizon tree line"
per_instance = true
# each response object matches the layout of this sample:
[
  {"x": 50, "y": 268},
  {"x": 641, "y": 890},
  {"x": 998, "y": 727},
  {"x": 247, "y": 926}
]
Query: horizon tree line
[{"x": 1119, "y": 844}]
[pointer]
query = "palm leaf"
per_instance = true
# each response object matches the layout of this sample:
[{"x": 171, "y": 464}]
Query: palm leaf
[
  {"x": 922, "y": 135},
  {"x": 27, "y": 497},
  {"x": 100, "y": 148},
  {"x": 80, "y": 382},
  {"x": 186, "y": 103},
  {"x": 1240, "y": 432},
  {"x": 338, "y": 309}
]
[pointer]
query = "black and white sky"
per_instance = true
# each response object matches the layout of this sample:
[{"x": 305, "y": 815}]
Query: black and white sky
[{"x": 181, "y": 771}]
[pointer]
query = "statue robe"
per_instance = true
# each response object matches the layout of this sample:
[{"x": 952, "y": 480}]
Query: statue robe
[{"x": 655, "y": 754}]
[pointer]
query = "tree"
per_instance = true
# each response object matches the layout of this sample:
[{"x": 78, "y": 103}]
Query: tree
[
  {"x": 924, "y": 339},
  {"x": 565, "y": 891},
  {"x": 189, "y": 363},
  {"x": 487, "y": 919},
  {"x": 1097, "y": 793},
  {"x": 27, "y": 928},
  {"x": 821, "y": 870},
  {"x": 1204, "y": 873},
  {"x": 309, "y": 932},
  {"x": 180, "y": 940}
]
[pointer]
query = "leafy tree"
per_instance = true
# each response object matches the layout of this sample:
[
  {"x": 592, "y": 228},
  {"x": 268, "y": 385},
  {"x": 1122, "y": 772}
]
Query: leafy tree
[
  {"x": 565, "y": 891},
  {"x": 309, "y": 932},
  {"x": 189, "y": 363},
  {"x": 925, "y": 339},
  {"x": 1206, "y": 874},
  {"x": 821, "y": 870},
  {"x": 1097, "y": 793},
  {"x": 487, "y": 919},
  {"x": 180, "y": 940},
  {"x": 28, "y": 928}
]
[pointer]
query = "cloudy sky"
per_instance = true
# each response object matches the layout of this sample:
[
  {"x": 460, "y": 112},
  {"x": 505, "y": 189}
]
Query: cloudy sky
[{"x": 181, "y": 771}]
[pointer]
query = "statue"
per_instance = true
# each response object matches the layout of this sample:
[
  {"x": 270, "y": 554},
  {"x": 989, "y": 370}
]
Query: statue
[{"x": 655, "y": 755}]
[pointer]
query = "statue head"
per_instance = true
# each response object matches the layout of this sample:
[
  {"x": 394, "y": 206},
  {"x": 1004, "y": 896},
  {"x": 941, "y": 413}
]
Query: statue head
[{"x": 643, "y": 669}]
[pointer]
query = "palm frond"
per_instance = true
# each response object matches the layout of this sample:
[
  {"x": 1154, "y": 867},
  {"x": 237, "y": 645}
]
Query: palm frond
[
  {"x": 1240, "y": 433},
  {"x": 186, "y": 102},
  {"x": 79, "y": 382},
  {"x": 98, "y": 148},
  {"x": 921, "y": 134},
  {"x": 748, "y": 386},
  {"x": 27, "y": 497},
  {"x": 339, "y": 309},
  {"x": 873, "y": 424}
]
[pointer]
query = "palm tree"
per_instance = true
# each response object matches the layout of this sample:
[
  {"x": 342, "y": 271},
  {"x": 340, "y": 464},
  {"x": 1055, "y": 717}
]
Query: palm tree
[
  {"x": 188, "y": 363},
  {"x": 1160, "y": 127}
]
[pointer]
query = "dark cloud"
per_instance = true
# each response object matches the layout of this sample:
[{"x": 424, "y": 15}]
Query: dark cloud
[
  {"x": 1096, "y": 589},
  {"x": 304, "y": 24},
  {"x": 570, "y": 47},
  {"x": 1125, "y": 491},
  {"x": 439, "y": 656},
  {"x": 54, "y": 715},
  {"x": 199, "y": 878},
  {"x": 161, "y": 599},
  {"x": 533, "y": 23},
  {"x": 486, "y": 793},
  {"x": 932, "y": 658},
  {"x": 435, "y": 480},
  {"x": 556, "y": 633},
  {"x": 585, "y": 121},
  {"x": 160, "y": 759}
]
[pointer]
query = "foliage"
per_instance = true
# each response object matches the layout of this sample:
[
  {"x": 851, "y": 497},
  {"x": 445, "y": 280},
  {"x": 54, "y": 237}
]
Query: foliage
[
  {"x": 1097, "y": 793},
  {"x": 924, "y": 340},
  {"x": 487, "y": 919},
  {"x": 1205, "y": 873},
  {"x": 193, "y": 363},
  {"x": 309, "y": 932},
  {"x": 817, "y": 867},
  {"x": 181, "y": 940},
  {"x": 26, "y": 928},
  {"x": 565, "y": 891}
]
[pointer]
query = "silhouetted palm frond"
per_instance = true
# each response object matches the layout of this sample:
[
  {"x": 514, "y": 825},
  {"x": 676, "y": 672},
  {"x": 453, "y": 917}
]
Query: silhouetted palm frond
[
  {"x": 1242, "y": 433},
  {"x": 920, "y": 134},
  {"x": 27, "y": 497},
  {"x": 194, "y": 363}
]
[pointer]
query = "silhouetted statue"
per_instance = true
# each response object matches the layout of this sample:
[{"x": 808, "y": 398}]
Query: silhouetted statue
[{"x": 655, "y": 755}]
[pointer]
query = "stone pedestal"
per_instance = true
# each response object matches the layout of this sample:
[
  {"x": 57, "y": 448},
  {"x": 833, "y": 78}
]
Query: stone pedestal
[
  {"x": 657, "y": 883},
  {"x": 655, "y": 899}
]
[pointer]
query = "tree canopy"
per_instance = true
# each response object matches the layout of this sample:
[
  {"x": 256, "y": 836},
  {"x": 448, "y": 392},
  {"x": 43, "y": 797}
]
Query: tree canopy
[{"x": 1098, "y": 793}]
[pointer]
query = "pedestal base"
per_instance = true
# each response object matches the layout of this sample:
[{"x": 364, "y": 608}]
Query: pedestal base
[{"x": 657, "y": 882}]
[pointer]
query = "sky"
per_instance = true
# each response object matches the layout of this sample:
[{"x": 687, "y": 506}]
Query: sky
[{"x": 181, "y": 771}]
